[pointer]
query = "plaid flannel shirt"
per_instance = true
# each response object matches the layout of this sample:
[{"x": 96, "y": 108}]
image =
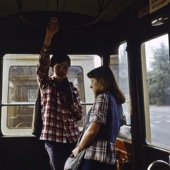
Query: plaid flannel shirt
[{"x": 100, "y": 149}]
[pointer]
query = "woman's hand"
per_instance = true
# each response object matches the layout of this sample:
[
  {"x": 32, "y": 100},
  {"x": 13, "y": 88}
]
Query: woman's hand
[{"x": 76, "y": 151}]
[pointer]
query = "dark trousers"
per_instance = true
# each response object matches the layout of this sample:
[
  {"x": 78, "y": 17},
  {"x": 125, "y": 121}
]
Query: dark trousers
[
  {"x": 58, "y": 153},
  {"x": 95, "y": 165}
]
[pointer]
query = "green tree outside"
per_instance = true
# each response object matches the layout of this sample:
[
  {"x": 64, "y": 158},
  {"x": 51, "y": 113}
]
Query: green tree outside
[{"x": 159, "y": 76}]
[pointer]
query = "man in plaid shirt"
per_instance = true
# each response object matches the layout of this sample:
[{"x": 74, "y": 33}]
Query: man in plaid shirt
[{"x": 60, "y": 102}]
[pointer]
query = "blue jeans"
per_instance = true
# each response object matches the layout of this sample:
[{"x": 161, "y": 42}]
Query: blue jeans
[
  {"x": 58, "y": 153},
  {"x": 95, "y": 165}
]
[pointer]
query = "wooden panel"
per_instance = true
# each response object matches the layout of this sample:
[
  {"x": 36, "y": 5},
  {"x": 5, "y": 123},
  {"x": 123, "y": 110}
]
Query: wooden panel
[{"x": 124, "y": 155}]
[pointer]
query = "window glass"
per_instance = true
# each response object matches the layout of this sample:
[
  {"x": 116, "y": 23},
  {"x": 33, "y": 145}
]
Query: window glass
[
  {"x": 20, "y": 88},
  {"x": 119, "y": 66},
  {"x": 156, "y": 79}
]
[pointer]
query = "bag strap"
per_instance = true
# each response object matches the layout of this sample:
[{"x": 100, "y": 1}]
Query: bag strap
[{"x": 84, "y": 127}]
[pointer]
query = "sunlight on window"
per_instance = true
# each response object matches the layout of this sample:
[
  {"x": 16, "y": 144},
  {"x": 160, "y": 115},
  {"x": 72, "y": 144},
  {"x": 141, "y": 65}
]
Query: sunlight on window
[
  {"x": 119, "y": 66},
  {"x": 156, "y": 76}
]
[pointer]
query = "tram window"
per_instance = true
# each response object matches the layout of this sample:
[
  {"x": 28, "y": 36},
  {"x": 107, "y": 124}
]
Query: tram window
[
  {"x": 119, "y": 66},
  {"x": 156, "y": 83},
  {"x": 20, "y": 88}
]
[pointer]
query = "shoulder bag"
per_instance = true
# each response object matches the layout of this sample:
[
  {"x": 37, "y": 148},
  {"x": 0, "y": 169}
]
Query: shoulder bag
[
  {"x": 73, "y": 163},
  {"x": 37, "y": 118}
]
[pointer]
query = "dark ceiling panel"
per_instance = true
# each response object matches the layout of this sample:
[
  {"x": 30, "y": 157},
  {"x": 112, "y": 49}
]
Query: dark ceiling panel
[{"x": 107, "y": 9}]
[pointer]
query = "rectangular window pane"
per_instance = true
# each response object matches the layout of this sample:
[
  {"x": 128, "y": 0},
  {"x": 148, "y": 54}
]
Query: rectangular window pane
[
  {"x": 22, "y": 87},
  {"x": 156, "y": 76},
  {"x": 119, "y": 66}
]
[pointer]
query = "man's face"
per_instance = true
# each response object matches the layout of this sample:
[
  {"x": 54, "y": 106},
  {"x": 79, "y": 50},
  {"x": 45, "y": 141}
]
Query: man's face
[{"x": 60, "y": 70}]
